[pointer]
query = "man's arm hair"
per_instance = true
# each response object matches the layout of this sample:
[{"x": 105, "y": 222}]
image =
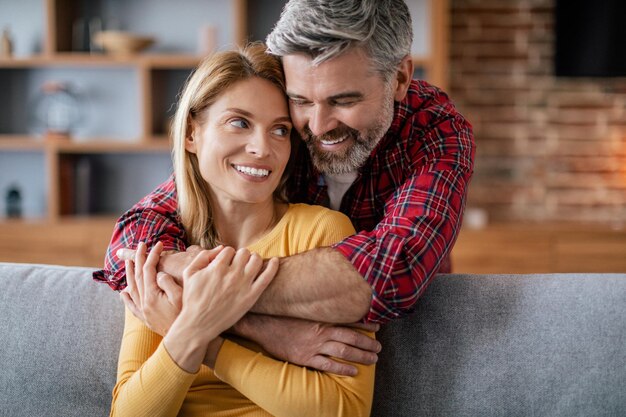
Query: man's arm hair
[{"x": 319, "y": 285}]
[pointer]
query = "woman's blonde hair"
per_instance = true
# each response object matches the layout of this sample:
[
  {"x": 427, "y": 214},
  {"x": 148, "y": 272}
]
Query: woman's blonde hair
[{"x": 213, "y": 77}]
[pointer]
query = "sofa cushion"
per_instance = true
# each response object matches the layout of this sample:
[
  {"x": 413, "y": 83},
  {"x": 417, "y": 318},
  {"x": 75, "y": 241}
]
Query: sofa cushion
[{"x": 60, "y": 336}]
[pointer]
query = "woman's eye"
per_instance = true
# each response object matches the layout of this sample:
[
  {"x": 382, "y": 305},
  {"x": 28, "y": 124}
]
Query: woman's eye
[
  {"x": 240, "y": 123},
  {"x": 281, "y": 131}
]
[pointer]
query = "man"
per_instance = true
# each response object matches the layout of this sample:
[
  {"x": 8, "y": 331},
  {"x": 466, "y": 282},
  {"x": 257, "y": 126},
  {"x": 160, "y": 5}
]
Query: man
[{"x": 390, "y": 152}]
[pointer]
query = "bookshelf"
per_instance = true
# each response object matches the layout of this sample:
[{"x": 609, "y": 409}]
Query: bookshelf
[{"x": 128, "y": 99}]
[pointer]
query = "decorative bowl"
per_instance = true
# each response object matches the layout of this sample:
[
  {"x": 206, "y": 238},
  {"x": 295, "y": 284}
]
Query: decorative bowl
[{"x": 120, "y": 42}]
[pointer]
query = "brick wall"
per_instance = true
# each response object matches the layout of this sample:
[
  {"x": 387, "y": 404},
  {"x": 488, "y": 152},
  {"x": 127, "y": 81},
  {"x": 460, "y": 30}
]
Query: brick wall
[{"x": 548, "y": 149}]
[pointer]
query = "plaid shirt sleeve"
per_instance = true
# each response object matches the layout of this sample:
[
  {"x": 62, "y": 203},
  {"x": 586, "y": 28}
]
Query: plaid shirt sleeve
[
  {"x": 151, "y": 220},
  {"x": 401, "y": 254}
]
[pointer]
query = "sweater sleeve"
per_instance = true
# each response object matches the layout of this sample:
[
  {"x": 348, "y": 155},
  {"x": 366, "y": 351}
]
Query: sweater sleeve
[
  {"x": 281, "y": 388},
  {"x": 149, "y": 382}
]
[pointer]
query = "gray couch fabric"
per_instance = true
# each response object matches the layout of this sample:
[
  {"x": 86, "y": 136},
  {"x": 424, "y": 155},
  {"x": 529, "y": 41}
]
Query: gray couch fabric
[{"x": 477, "y": 345}]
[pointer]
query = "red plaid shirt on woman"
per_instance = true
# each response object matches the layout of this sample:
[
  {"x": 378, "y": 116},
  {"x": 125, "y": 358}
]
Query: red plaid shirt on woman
[{"x": 406, "y": 203}]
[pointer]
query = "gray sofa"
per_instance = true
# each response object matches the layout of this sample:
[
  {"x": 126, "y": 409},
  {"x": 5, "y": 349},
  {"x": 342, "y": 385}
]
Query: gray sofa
[{"x": 477, "y": 345}]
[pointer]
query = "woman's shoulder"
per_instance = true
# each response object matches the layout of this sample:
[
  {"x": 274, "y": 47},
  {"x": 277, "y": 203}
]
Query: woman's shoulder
[
  {"x": 319, "y": 219},
  {"x": 304, "y": 227},
  {"x": 311, "y": 213}
]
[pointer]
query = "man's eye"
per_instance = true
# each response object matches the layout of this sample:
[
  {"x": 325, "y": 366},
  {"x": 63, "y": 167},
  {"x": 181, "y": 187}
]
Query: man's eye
[
  {"x": 298, "y": 102},
  {"x": 344, "y": 103},
  {"x": 281, "y": 131},
  {"x": 240, "y": 123}
]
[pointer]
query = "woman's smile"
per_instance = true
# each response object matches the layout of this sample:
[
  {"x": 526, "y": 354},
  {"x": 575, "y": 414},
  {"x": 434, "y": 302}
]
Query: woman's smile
[{"x": 252, "y": 172}]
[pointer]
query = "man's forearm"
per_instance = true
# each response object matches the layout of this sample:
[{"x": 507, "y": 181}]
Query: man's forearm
[
  {"x": 322, "y": 346},
  {"x": 319, "y": 285}
]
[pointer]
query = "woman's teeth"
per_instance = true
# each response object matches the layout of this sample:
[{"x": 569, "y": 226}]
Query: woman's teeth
[{"x": 252, "y": 171}]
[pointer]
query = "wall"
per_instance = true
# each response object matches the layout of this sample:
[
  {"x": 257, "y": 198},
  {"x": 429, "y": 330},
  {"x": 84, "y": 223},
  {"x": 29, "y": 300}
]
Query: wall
[{"x": 548, "y": 149}]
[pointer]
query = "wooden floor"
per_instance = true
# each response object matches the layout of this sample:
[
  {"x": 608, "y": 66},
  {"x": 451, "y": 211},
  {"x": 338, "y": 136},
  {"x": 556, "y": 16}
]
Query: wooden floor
[{"x": 500, "y": 248}]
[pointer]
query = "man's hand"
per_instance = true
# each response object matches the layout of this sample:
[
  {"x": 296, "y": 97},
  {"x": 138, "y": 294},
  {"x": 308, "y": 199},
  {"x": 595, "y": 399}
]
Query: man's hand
[{"x": 311, "y": 344}]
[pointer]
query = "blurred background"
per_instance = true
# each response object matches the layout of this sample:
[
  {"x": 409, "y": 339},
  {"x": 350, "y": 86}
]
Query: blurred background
[{"x": 87, "y": 90}]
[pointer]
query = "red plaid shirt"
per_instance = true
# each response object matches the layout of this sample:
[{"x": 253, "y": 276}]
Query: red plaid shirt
[{"x": 406, "y": 203}]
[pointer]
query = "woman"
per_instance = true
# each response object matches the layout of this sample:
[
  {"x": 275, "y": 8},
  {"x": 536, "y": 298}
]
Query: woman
[{"x": 232, "y": 144}]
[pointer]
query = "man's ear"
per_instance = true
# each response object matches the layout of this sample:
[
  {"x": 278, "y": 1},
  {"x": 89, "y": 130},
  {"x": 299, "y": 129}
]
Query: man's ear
[
  {"x": 192, "y": 132},
  {"x": 404, "y": 75}
]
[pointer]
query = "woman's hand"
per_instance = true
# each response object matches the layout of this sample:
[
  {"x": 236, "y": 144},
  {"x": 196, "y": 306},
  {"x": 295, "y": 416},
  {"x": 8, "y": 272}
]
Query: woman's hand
[
  {"x": 157, "y": 305},
  {"x": 153, "y": 297},
  {"x": 217, "y": 292}
]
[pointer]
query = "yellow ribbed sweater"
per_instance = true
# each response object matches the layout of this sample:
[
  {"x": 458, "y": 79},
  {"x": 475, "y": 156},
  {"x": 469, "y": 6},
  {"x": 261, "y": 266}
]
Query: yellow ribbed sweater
[{"x": 245, "y": 381}]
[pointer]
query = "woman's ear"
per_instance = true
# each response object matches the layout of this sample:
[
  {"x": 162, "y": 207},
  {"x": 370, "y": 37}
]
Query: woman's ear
[
  {"x": 190, "y": 140},
  {"x": 404, "y": 75}
]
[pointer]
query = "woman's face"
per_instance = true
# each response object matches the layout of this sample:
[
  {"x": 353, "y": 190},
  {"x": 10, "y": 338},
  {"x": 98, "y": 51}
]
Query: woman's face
[{"x": 242, "y": 142}]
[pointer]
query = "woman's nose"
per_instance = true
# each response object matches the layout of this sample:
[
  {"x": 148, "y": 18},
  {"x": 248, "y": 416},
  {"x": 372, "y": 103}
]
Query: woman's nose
[{"x": 259, "y": 144}]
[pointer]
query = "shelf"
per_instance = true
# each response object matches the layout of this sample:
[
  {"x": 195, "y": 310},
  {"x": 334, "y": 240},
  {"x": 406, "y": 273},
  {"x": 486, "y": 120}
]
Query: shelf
[
  {"x": 102, "y": 145},
  {"x": 165, "y": 61},
  {"x": 20, "y": 143},
  {"x": 67, "y": 220},
  {"x": 109, "y": 146}
]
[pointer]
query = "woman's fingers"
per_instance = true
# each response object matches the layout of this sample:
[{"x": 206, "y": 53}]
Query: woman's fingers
[
  {"x": 204, "y": 258},
  {"x": 225, "y": 256},
  {"x": 212, "y": 253},
  {"x": 140, "y": 260},
  {"x": 130, "y": 304},
  {"x": 241, "y": 258},
  {"x": 253, "y": 266},
  {"x": 150, "y": 269},
  {"x": 129, "y": 266},
  {"x": 265, "y": 278},
  {"x": 172, "y": 290}
]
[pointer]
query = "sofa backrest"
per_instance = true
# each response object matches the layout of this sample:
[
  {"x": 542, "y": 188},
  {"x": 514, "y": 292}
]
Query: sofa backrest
[{"x": 507, "y": 345}]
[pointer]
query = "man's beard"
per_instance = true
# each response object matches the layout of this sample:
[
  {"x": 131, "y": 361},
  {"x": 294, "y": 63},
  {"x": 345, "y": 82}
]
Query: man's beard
[{"x": 354, "y": 156}]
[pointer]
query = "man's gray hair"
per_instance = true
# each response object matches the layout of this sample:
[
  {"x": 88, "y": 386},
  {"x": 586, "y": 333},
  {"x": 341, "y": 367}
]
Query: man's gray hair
[{"x": 324, "y": 29}]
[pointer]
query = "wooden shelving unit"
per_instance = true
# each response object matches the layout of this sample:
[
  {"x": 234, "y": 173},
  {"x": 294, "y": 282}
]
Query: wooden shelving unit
[
  {"x": 151, "y": 71},
  {"x": 156, "y": 77}
]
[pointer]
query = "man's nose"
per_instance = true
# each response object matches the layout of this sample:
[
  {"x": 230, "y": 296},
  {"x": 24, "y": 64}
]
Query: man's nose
[{"x": 322, "y": 120}]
